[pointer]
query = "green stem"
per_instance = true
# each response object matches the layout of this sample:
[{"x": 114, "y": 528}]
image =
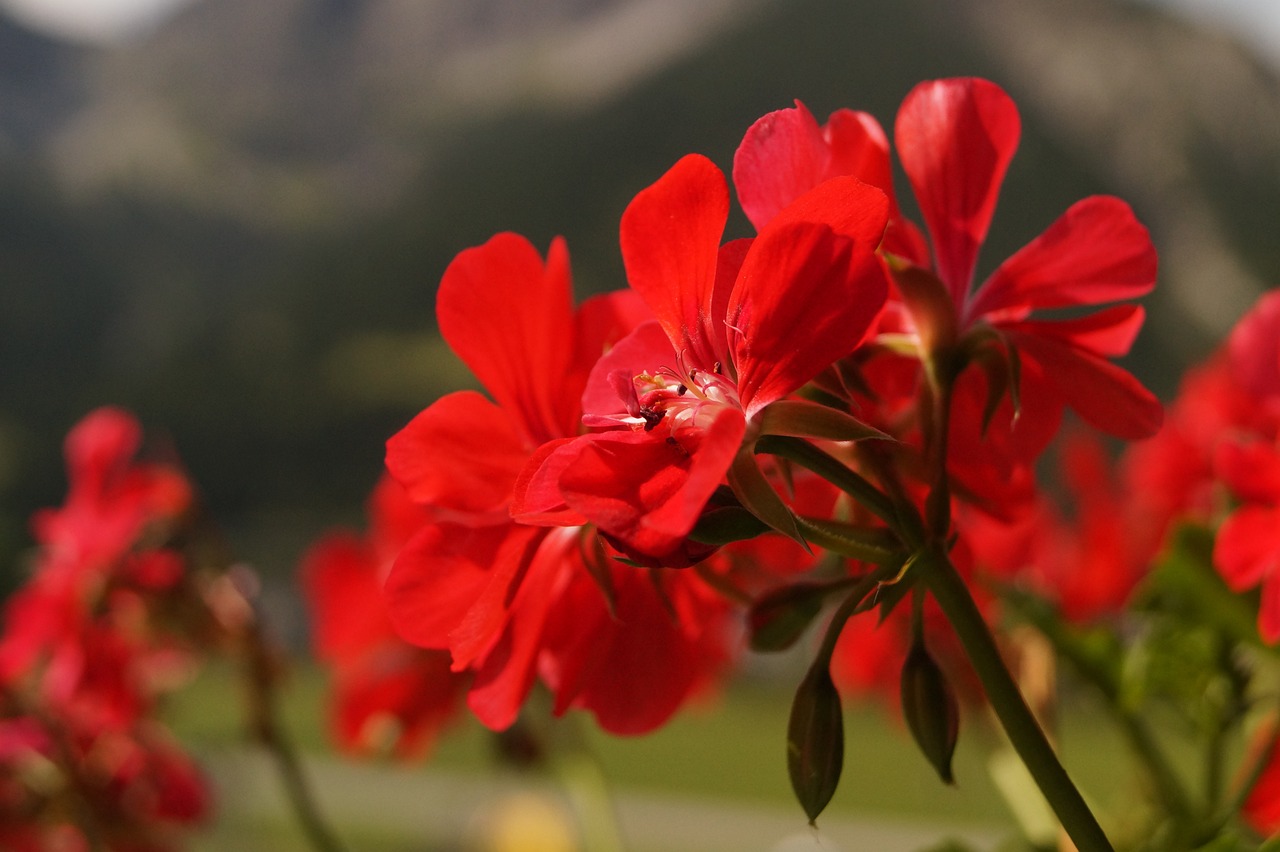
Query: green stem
[
  {"x": 1159, "y": 771},
  {"x": 834, "y": 471},
  {"x": 1025, "y": 734},
  {"x": 264, "y": 723},
  {"x": 584, "y": 781}
]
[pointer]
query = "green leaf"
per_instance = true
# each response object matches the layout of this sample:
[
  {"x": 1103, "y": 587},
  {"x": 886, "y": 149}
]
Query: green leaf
[
  {"x": 815, "y": 741},
  {"x": 752, "y": 488}
]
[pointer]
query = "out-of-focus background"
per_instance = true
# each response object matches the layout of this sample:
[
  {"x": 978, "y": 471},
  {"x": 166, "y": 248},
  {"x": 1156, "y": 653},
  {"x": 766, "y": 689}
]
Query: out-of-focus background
[{"x": 230, "y": 216}]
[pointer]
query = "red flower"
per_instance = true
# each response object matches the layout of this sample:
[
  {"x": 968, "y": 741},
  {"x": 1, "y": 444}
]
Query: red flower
[
  {"x": 508, "y": 599},
  {"x": 1087, "y": 564},
  {"x": 738, "y": 327},
  {"x": 382, "y": 685},
  {"x": 111, "y": 497},
  {"x": 955, "y": 139},
  {"x": 87, "y": 546},
  {"x": 83, "y": 657},
  {"x": 1247, "y": 549},
  {"x": 1261, "y": 808}
]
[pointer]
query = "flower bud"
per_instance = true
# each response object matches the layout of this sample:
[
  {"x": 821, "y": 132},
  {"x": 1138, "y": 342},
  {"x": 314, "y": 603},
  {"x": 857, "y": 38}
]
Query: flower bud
[
  {"x": 815, "y": 741},
  {"x": 930, "y": 708}
]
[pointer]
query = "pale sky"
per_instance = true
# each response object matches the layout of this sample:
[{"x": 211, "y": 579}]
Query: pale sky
[
  {"x": 1256, "y": 21},
  {"x": 92, "y": 20}
]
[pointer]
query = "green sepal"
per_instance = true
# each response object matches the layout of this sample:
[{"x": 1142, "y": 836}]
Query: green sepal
[
  {"x": 873, "y": 544},
  {"x": 799, "y": 418},
  {"x": 932, "y": 308},
  {"x": 815, "y": 741},
  {"x": 890, "y": 594},
  {"x": 1002, "y": 366},
  {"x": 725, "y": 524},
  {"x": 755, "y": 493}
]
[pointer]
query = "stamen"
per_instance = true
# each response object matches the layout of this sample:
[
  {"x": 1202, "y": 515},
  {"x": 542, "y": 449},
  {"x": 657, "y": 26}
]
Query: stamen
[{"x": 651, "y": 418}]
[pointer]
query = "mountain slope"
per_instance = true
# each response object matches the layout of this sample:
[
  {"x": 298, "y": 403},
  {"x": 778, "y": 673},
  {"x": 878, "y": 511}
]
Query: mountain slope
[{"x": 236, "y": 227}]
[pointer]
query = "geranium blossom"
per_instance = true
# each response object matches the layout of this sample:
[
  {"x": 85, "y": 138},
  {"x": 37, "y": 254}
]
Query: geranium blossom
[
  {"x": 738, "y": 327},
  {"x": 84, "y": 660},
  {"x": 511, "y": 601},
  {"x": 955, "y": 139}
]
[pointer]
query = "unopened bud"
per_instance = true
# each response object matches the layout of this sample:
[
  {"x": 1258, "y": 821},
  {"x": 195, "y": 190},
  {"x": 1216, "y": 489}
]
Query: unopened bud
[
  {"x": 815, "y": 742},
  {"x": 931, "y": 710}
]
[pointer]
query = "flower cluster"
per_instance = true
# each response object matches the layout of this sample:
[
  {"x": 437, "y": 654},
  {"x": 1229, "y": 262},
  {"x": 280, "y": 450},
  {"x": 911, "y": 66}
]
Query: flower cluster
[
  {"x": 827, "y": 427},
  {"x": 826, "y": 408},
  {"x": 101, "y": 632}
]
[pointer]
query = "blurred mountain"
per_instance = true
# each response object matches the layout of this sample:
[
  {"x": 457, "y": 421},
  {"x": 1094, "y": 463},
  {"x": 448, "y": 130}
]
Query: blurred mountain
[
  {"x": 40, "y": 84},
  {"x": 235, "y": 226}
]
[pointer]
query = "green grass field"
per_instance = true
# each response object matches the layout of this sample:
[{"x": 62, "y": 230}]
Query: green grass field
[{"x": 714, "y": 778}]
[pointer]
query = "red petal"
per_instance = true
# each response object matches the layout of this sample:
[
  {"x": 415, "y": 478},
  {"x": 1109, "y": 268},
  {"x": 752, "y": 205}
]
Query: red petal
[
  {"x": 1105, "y": 395},
  {"x": 1269, "y": 609},
  {"x": 955, "y": 139},
  {"x": 445, "y": 572},
  {"x": 670, "y": 242},
  {"x": 785, "y": 154},
  {"x": 808, "y": 291},
  {"x": 782, "y": 156},
  {"x": 344, "y": 596},
  {"x": 100, "y": 447},
  {"x": 860, "y": 149},
  {"x": 461, "y": 453},
  {"x": 509, "y": 318},
  {"x": 537, "y": 499},
  {"x": 646, "y": 490},
  {"x": 393, "y": 518},
  {"x": 1251, "y": 470},
  {"x": 1096, "y": 252},
  {"x": 1109, "y": 332},
  {"x": 414, "y": 687},
  {"x": 505, "y": 675},
  {"x": 1254, "y": 347},
  {"x": 644, "y": 349},
  {"x": 604, "y": 319},
  {"x": 634, "y": 667},
  {"x": 1247, "y": 549}
]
